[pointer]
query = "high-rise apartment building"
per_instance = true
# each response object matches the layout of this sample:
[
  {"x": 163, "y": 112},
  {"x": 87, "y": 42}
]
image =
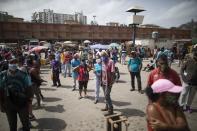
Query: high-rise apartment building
[
  {"x": 80, "y": 18},
  {"x": 48, "y": 16}
]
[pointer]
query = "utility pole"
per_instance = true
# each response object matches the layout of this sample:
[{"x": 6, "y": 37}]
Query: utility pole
[{"x": 94, "y": 23}]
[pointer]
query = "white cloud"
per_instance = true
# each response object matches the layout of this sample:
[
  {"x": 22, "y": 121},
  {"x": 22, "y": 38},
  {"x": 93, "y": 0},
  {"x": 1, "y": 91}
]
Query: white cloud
[
  {"x": 107, "y": 10},
  {"x": 178, "y": 14}
]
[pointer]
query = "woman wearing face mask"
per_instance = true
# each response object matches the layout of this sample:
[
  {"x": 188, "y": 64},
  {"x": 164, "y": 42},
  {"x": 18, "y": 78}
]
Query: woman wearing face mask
[{"x": 164, "y": 114}]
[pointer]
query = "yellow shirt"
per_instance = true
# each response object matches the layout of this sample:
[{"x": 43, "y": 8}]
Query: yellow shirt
[{"x": 62, "y": 57}]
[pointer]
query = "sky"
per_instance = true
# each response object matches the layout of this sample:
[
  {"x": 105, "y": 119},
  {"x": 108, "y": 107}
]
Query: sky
[{"x": 165, "y": 13}]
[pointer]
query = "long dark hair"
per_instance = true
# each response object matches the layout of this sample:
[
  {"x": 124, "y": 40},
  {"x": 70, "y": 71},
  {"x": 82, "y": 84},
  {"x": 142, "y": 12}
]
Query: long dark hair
[{"x": 152, "y": 96}]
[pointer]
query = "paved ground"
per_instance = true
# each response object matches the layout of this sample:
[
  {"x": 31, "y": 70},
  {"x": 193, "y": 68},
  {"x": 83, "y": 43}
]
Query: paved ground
[{"x": 63, "y": 111}]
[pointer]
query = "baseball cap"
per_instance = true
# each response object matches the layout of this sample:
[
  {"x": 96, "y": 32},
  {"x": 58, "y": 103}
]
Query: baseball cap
[{"x": 164, "y": 85}]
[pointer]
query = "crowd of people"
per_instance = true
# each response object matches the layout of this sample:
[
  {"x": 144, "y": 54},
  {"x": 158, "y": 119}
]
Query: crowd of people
[{"x": 168, "y": 97}]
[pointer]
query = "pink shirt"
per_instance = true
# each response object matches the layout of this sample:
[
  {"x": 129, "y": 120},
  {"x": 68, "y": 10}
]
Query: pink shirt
[{"x": 107, "y": 70}]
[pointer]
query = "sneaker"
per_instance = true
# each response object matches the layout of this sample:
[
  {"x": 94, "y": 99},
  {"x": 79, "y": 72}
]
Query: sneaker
[
  {"x": 189, "y": 110},
  {"x": 110, "y": 112},
  {"x": 30, "y": 125},
  {"x": 80, "y": 97},
  {"x": 54, "y": 85},
  {"x": 96, "y": 101},
  {"x": 182, "y": 108},
  {"x": 59, "y": 85},
  {"x": 32, "y": 117},
  {"x": 104, "y": 109},
  {"x": 132, "y": 90},
  {"x": 73, "y": 89}
]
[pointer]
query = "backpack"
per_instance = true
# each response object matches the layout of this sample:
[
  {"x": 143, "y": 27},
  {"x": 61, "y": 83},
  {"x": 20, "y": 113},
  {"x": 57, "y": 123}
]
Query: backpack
[{"x": 15, "y": 89}]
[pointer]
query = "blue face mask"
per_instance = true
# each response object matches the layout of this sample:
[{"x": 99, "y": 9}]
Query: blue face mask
[
  {"x": 12, "y": 67},
  {"x": 104, "y": 59}
]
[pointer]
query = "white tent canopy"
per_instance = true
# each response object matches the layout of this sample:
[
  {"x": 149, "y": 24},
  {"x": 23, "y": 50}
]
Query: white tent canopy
[
  {"x": 87, "y": 42},
  {"x": 68, "y": 42},
  {"x": 99, "y": 46}
]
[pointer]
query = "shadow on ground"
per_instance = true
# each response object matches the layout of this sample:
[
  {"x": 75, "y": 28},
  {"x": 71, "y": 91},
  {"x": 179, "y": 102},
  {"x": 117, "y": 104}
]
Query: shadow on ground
[
  {"x": 57, "y": 108},
  {"x": 90, "y": 90},
  {"x": 121, "y": 73},
  {"x": 44, "y": 84},
  {"x": 121, "y": 81},
  {"x": 131, "y": 112},
  {"x": 116, "y": 103},
  {"x": 48, "y": 89},
  {"x": 66, "y": 86},
  {"x": 50, "y": 124},
  {"x": 120, "y": 103},
  {"x": 51, "y": 99}
]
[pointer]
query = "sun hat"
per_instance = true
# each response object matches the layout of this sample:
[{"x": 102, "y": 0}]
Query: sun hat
[
  {"x": 164, "y": 85},
  {"x": 104, "y": 53}
]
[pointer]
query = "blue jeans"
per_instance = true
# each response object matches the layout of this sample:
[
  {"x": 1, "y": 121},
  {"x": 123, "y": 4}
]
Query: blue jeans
[
  {"x": 97, "y": 90},
  {"x": 63, "y": 68},
  {"x": 187, "y": 95},
  {"x": 107, "y": 91},
  {"x": 67, "y": 68}
]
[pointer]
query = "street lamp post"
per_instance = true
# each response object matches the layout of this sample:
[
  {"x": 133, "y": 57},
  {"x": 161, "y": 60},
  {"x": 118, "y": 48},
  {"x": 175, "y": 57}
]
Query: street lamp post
[
  {"x": 137, "y": 19},
  {"x": 94, "y": 23}
]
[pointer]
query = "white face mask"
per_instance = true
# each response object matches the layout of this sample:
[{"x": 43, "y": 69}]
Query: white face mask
[{"x": 12, "y": 67}]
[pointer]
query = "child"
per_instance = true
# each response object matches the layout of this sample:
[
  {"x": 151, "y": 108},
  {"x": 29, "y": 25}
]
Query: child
[{"x": 83, "y": 77}]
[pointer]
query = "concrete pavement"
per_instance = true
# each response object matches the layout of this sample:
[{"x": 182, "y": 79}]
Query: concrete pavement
[{"x": 63, "y": 111}]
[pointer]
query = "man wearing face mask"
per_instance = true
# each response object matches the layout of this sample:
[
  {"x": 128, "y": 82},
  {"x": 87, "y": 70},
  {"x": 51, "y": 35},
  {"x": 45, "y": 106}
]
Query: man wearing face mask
[
  {"x": 163, "y": 71},
  {"x": 189, "y": 75},
  {"x": 15, "y": 94},
  {"x": 107, "y": 80}
]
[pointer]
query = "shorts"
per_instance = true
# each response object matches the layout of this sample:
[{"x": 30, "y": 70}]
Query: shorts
[{"x": 83, "y": 84}]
